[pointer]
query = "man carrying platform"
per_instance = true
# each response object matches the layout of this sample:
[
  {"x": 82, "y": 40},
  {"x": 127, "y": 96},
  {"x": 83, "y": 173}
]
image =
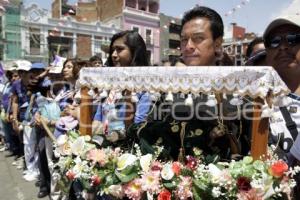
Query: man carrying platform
[{"x": 178, "y": 127}]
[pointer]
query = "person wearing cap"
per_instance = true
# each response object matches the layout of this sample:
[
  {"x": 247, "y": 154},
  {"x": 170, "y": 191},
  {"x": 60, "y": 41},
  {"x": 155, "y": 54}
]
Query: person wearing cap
[
  {"x": 10, "y": 138},
  {"x": 19, "y": 103},
  {"x": 282, "y": 41},
  {"x": 30, "y": 83}
]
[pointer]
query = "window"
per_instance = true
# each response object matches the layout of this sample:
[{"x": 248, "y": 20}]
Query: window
[
  {"x": 136, "y": 29},
  {"x": 142, "y": 5},
  {"x": 97, "y": 46},
  {"x": 153, "y": 7},
  {"x": 238, "y": 49},
  {"x": 100, "y": 46},
  {"x": 174, "y": 28},
  {"x": 174, "y": 44},
  {"x": 149, "y": 37},
  {"x": 131, "y": 3},
  {"x": 35, "y": 41}
]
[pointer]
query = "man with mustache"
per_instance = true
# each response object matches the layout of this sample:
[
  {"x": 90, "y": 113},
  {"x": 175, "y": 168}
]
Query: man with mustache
[{"x": 282, "y": 41}]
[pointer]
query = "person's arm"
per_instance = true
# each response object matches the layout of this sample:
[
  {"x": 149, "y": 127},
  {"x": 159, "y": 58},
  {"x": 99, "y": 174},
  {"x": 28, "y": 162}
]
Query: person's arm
[
  {"x": 7, "y": 114},
  {"x": 97, "y": 127},
  {"x": 15, "y": 112},
  {"x": 142, "y": 108}
]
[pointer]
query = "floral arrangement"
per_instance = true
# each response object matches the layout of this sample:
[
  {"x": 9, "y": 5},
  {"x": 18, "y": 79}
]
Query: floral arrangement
[{"x": 120, "y": 174}]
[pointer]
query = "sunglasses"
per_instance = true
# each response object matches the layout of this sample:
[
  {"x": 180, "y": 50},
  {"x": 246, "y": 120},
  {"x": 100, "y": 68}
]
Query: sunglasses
[{"x": 291, "y": 39}]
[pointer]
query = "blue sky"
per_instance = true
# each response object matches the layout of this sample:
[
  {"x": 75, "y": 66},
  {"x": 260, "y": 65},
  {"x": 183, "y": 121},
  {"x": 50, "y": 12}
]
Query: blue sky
[{"x": 254, "y": 15}]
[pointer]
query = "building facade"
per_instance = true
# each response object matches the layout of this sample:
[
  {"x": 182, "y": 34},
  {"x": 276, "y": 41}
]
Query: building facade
[
  {"x": 11, "y": 26},
  {"x": 139, "y": 15},
  {"x": 236, "y": 43},
  {"x": 43, "y": 36},
  {"x": 143, "y": 17},
  {"x": 170, "y": 28}
]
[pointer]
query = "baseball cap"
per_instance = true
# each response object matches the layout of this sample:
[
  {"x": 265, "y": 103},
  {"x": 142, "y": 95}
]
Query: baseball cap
[
  {"x": 9, "y": 66},
  {"x": 284, "y": 20},
  {"x": 38, "y": 66},
  {"x": 22, "y": 65}
]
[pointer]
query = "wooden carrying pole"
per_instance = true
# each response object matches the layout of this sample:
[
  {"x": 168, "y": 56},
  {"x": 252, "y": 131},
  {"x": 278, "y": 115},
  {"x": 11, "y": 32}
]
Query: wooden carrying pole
[
  {"x": 85, "y": 126},
  {"x": 260, "y": 131}
]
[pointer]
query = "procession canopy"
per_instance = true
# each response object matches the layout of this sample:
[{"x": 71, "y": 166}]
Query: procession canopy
[{"x": 251, "y": 81}]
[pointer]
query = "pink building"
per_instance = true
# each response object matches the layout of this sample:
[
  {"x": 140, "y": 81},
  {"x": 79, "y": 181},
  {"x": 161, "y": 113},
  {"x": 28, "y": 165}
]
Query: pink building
[{"x": 142, "y": 16}]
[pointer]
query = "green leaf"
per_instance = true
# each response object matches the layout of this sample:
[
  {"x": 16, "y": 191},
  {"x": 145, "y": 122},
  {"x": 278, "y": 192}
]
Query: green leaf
[
  {"x": 73, "y": 134},
  {"x": 125, "y": 178},
  {"x": 129, "y": 169},
  {"x": 85, "y": 184},
  {"x": 187, "y": 172},
  {"x": 170, "y": 185},
  {"x": 211, "y": 159},
  {"x": 201, "y": 190},
  {"x": 195, "y": 194},
  {"x": 199, "y": 185}
]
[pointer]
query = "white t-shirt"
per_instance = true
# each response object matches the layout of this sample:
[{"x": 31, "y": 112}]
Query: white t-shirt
[{"x": 278, "y": 123}]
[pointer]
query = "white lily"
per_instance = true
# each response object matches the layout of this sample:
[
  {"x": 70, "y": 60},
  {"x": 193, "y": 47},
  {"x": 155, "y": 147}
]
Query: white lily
[
  {"x": 62, "y": 139},
  {"x": 145, "y": 162},
  {"x": 80, "y": 167},
  {"x": 65, "y": 149},
  {"x": 125, "y": 160},
  {"x": 77, "y": 146},
  {"x": 167, "y": 172}
]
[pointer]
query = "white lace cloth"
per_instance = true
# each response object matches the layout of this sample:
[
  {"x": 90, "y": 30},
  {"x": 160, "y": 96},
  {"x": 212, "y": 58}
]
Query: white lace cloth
[{"x": 252, "y": 81}]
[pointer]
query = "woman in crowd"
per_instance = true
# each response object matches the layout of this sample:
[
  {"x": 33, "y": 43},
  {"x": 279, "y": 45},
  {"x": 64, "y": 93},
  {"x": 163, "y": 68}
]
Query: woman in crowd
[
  {"x": 127, "y": 48},
  {"x": 64, "y": 99},
  {"x": 70, "y": 73}
]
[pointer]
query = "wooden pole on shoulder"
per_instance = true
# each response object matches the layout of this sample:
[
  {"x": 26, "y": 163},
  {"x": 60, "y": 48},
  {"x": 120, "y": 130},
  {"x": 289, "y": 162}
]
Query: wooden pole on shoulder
[
  {"x": 85, "y": 126},
  {"x": 260, "y": 131}
]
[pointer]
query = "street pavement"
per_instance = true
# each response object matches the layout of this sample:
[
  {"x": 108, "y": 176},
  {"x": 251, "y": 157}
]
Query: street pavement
[{"x": 12, "y": 185}]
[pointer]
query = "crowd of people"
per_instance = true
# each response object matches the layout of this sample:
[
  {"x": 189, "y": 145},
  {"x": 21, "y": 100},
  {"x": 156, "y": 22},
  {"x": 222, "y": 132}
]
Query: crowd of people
[{"x": 39, "y": 104}]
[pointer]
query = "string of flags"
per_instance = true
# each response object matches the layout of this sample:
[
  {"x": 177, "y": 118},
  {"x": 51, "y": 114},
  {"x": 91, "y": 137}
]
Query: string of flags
[{"x": 237, "y": 7}]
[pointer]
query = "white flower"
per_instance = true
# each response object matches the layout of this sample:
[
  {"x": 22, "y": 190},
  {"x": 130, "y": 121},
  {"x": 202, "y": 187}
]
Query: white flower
[
  {"x": 65, "y": 149},
  {"x": 80, "y": 167},
  {"x": 77, "y": 146},
  {"x": 167, "y": 172},
  {"x": 145, "y": 162},
  {"x": 125, "y": 160},
  {"x": 61, "y": 140},
  {"x": 216, "y": 192},
  {"x": 116, "y": 191},
  {"x": 269, "y": 193},
  {"x": 87, "y": 138},
  {"x": 215, "y": 172}
]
